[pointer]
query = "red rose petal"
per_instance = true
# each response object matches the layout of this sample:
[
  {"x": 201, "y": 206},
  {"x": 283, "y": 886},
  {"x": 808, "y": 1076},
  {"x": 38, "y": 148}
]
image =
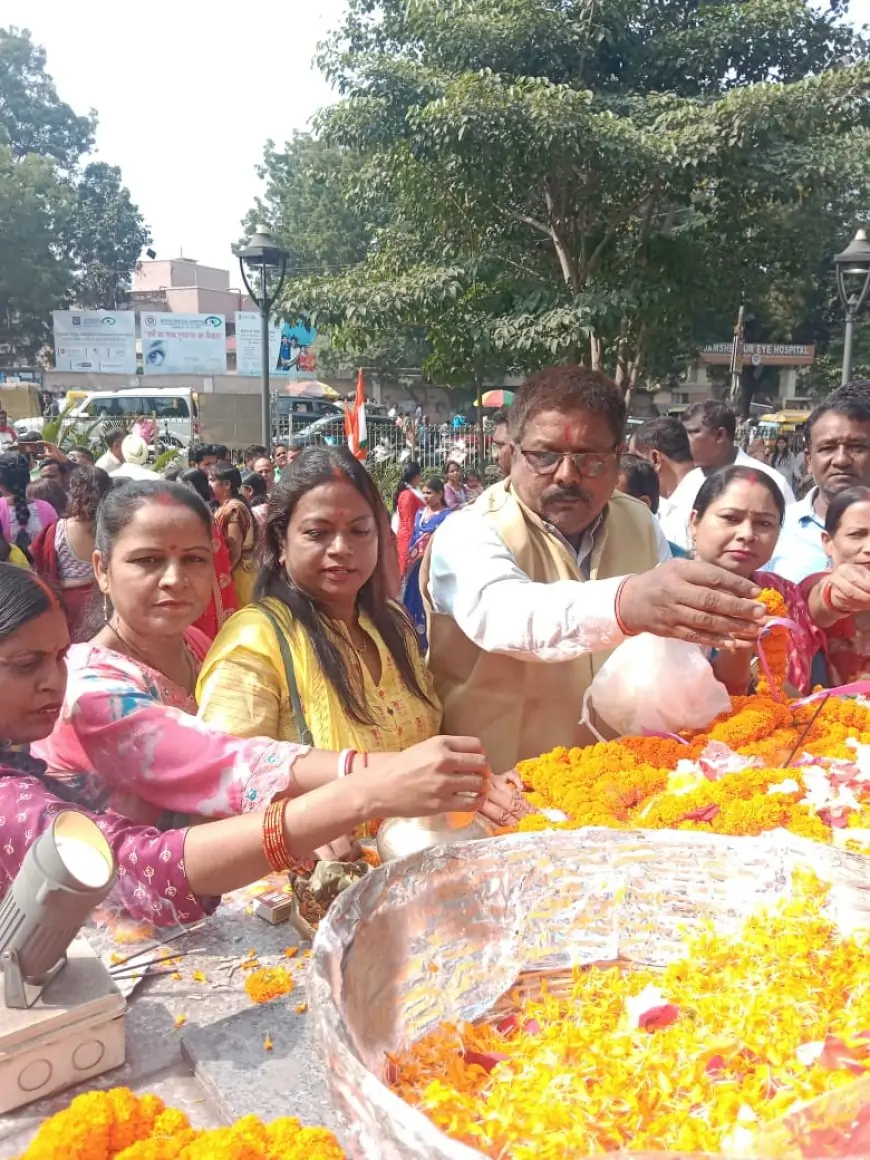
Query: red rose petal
[
  {"x": 715, "y": 1064},
  {"x": 508, "y": 1026},
  {"x": 658, "y": 1017},
  {"x": 532, "y": 1027},
  {"x": 836, "y": 1055},
  {"x": 702, "y": 814},
  {"x": 485, "y": 1059}
]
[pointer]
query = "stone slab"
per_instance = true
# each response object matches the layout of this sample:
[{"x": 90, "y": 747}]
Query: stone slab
[
  {"x": 242, "y": 1078},
  {"x": 153, "y": 1037}
]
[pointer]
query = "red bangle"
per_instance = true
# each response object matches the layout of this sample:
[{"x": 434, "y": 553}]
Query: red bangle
[
  {"x": 620, "y": 623},
  {"x": 275, "y": 843}
]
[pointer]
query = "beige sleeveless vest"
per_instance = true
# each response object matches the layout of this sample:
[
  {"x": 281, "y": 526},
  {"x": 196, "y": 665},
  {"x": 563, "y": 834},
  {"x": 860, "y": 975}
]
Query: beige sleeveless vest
[{"x": 519, "y": 708}]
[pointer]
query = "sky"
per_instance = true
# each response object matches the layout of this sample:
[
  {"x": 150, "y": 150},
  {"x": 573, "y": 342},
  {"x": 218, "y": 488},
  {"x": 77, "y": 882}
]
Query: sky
[
  {"x": 187, "y": 98},
  {"x": 175, "y": 111}
]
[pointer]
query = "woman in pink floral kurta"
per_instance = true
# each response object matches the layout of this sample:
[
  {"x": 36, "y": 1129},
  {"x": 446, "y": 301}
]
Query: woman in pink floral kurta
[{"x": 128, "y": 739}]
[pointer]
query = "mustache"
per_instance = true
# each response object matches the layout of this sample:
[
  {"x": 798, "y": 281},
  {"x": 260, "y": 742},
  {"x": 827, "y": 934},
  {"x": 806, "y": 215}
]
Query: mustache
[{"x": 566, "y": 494}]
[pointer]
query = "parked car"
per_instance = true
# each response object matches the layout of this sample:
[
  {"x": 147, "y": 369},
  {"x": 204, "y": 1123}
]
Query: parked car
[
  {"x": 173, "y": 410},
  {"x": 383, "y": 434},
  {"x": 291, "y": 415}
]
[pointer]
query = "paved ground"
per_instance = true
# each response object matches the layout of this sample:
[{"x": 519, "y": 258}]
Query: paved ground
[{"x": 215, "y": 1067}]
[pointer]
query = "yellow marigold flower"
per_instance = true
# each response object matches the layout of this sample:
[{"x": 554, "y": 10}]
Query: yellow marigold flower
[
  {"x": 723, "y": 1052},
  {"x": 180, "y": 1020},
  {"x": 268, "y": 983}
]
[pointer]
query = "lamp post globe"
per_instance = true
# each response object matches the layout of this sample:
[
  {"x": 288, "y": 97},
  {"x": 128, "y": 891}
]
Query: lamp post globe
[
  {"x": 263, "y": 264},
  {"x": 853, "y": 284}
]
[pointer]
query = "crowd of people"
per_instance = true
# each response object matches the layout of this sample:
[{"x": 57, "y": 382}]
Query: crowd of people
[{"x": 234, "y": 670}]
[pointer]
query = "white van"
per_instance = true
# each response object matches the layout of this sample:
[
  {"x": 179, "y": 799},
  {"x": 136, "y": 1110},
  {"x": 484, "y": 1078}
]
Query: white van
[{"x": 173, "y": 409}]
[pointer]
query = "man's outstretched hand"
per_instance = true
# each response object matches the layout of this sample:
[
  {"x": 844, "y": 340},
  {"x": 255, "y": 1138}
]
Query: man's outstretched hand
[{"x": 692, "y": 601}]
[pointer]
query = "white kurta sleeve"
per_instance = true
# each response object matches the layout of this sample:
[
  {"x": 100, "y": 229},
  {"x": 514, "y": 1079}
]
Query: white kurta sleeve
[{"x": 475, "y": 579}]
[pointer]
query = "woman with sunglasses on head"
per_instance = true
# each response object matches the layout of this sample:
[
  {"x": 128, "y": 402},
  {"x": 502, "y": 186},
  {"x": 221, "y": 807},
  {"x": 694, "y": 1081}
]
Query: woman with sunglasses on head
[
  {"x": 127, "y": 737},
  {"x": 178, "y": 873}
]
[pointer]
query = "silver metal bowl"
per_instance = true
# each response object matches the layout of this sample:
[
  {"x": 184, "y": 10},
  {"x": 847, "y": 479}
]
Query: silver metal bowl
[
  {"x": 399, "y": 837},
  {"x": 444, "y": 935}
]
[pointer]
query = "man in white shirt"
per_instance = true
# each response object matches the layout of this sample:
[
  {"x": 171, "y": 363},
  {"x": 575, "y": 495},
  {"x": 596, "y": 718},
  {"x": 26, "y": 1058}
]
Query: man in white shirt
[
  {"x": 113, "y": 458},
  {"x": 135, "y": 452},
  {"x": 664, "y": 444},
  {"x": 552, "y": 566},
  {"x": 838, "y": 451},
  {"x": 637, "y": 478},
  {"x": 712, "y": 427}
]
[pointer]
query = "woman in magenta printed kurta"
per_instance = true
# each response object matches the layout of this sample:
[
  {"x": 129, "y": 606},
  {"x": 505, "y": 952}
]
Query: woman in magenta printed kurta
[{"x": 152, "y": 883}]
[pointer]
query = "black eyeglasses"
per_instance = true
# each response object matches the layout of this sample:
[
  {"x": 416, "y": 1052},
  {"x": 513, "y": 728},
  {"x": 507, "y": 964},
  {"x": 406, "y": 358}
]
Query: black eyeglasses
[{"x": 586, "y": 463}]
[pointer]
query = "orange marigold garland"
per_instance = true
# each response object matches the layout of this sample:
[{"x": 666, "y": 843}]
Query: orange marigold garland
[
  {"x": 118, "y": 1125},
  {"x": 775, "y": 646},
  {"x": 694, "y": 1059},
  {"x": 658, "y": 783}
]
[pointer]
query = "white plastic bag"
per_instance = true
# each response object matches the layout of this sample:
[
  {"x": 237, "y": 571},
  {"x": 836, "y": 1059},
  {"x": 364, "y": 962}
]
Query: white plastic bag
[{"x": 650, "y": 682}]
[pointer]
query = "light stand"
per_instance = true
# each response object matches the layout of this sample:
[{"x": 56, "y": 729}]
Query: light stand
[
  {"x": 62, "y": 1016},
  {"x": 853, "y": 284},
  {"x": 265, "y": 259}
]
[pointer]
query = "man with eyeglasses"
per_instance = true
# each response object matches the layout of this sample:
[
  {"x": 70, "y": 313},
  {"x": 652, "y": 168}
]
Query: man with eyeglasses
[
  {"x": 530, "y": 588},
  {"x": 838, "y": 452}
]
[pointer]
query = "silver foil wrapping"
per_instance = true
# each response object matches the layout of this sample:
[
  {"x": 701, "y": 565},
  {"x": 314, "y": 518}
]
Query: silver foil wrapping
[{"x": 444, "y": 934}]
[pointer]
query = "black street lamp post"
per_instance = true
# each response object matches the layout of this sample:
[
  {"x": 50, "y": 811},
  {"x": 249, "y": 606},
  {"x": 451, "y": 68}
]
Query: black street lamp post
[
  {"x": 853, "y": 283},
  {"x": 264, "y": 256}
]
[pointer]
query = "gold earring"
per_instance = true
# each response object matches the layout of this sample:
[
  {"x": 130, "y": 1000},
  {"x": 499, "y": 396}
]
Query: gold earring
[{"x": 107, "y": 609}]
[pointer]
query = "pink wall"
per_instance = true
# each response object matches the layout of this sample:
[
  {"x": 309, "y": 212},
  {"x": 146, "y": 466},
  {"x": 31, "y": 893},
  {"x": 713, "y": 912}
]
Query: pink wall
[{"x": 179, "y": 272}]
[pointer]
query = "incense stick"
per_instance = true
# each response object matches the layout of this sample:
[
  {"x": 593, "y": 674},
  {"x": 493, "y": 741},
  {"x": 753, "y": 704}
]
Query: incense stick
[
  {"x": 803, "y": 735},
  {"x": 172, "y": 938}
]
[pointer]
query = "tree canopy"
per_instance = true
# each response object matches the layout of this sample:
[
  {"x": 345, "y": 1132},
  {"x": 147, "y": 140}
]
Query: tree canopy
[
  {"x": 69, "y": 234},
  {"x": 551, "y": 179}
]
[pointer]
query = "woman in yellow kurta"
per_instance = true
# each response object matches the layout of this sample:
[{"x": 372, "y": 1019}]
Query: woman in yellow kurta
[
  {"x": 326, "y": 655},
  {"x": 324, "y": 610}
]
